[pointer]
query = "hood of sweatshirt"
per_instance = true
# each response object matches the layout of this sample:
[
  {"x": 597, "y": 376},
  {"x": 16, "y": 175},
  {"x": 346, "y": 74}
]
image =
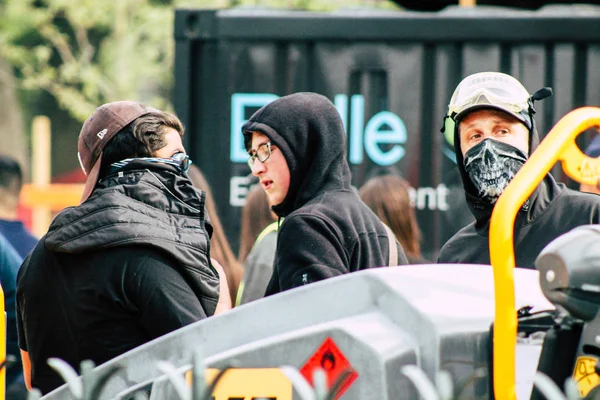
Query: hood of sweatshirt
[{"x": 308, "y": 130}]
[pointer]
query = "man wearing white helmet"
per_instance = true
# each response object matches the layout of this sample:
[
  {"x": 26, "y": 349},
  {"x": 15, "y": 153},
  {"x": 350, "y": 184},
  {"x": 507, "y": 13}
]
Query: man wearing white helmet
[{"x": 491, "y": 118}]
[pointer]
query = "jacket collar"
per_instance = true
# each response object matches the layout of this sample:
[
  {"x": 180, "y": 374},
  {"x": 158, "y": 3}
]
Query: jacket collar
[
  {"x": 532, "y": 209},
  {"x": 167, "y": 207}
]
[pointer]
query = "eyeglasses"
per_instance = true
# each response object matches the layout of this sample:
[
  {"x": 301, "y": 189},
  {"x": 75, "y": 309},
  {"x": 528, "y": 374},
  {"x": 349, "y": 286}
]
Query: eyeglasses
[
  {"x": 183, "y": 160},
  {"x": 262, "y": 154}
]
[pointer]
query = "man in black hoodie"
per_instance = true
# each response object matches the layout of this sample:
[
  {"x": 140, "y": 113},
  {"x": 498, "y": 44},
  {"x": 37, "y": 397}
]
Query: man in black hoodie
[
  {"x": 491, "y": 116},
  {"x": 297, "y": 148},
  {"x": 131, "y": 262}
]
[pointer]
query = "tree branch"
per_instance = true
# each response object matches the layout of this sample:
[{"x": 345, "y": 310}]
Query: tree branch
[
  {"x": 57, "y": 39},
  {"x": 86, "y": 49}
]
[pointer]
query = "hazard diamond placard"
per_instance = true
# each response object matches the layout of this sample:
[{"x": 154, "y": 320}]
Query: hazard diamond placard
[{"x": 331, "y": 359}]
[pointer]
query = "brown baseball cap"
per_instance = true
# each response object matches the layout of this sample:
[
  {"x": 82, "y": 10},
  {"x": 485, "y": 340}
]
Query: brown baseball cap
[{"x": 104, "y": 123}]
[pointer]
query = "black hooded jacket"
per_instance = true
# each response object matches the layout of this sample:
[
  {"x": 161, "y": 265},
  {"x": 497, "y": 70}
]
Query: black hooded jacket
[
  {"x": 328, "y": 230},
  {"x": 551, "y": 210},
  {"x": 126, "y": 266}
]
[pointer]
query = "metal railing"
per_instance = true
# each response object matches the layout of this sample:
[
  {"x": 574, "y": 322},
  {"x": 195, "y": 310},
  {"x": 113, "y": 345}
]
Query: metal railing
[
  {"x": 195, "y": 384},
  {"x": 558, "y": 145}
]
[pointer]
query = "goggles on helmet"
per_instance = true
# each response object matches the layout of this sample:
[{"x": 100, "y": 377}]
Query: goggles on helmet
[{"x": 488, "y": 89}]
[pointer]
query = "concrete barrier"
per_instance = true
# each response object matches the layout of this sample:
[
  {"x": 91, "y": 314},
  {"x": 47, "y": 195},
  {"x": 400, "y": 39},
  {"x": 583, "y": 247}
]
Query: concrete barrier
[{"x": 434, "y": 316}]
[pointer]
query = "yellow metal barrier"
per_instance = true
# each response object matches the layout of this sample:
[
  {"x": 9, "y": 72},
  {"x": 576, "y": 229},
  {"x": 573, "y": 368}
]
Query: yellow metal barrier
[
  {"x": 55, "y": 197},
  {"x": 40, "y": 171},
  {"x": 559, "y": 145},
  {"x": 42, "y": 196},
  {"x": 44, "y": 199}
]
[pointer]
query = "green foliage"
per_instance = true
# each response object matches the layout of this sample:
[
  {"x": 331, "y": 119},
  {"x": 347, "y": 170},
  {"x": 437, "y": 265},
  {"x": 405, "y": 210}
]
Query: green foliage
[
  {"x": 89, "y": 52},
  {"x": 316, "y": 5}
]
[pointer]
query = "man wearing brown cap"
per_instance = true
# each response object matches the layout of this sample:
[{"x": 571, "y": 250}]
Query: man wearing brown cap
[{"x": 131, "y": 262}]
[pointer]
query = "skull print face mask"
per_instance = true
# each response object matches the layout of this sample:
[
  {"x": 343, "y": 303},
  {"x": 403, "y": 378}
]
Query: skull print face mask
[{"x": 491, "y": 165}]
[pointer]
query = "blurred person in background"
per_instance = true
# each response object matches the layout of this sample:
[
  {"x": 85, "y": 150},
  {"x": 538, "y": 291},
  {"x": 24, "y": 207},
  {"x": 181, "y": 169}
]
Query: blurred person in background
[
  {"x": 297, "y": 149},
  {"x": 256, "y": 216},
  {"x": 130, "y": 263},
  {"x": 10, "y": 261},
  {"x": 11, "y": 182},
  {"x": 592, "y": 150},
  {"x": 220, "y": 249},
  {"x": 389, "y": 199},
  {"x": 258, "y": 241}
]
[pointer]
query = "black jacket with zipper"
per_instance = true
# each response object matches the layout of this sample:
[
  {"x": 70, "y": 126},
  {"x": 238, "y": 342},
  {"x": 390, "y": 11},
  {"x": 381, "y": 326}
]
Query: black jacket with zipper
[
  {"x": 129, "y": 264},
  {"x": 328, "y": 230}
]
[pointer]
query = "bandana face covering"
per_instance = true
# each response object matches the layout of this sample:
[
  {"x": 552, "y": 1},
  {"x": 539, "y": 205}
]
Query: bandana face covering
[{"x": 491, "y": 165}]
